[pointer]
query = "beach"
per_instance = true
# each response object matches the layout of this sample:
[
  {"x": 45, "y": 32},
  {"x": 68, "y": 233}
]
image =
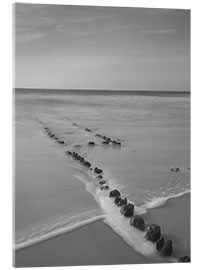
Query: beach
[
  {"x": 73, "y": 149},
  {"x": 174, "y": 219},
  {"x": 98, "y": 244},
  {"x": 93, "y": 244},
  {"x": 102, "y": 135}
]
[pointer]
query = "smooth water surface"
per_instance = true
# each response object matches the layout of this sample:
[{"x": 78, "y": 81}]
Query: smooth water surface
[{"x": 54, "y": 192}]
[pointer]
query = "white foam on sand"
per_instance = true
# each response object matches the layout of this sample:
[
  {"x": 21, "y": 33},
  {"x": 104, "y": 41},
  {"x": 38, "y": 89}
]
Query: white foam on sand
[
  {"x": 112, "y": 216},
  {"x": 159, "y": 202},
  {"x": 89, "y": 185},
  {"x": 120, "y": 224},
  {"x": 62, "y": 226}
]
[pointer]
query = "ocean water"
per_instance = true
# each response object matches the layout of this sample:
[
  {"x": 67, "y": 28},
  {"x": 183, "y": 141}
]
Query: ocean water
[{"x": 54, "y": 194}]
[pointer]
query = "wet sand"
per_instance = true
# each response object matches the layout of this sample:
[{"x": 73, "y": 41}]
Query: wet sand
[
  {"x": 98, "y": 244},
  {"x": 93, "y": 244},
  {"x": 174, "y": 219}
]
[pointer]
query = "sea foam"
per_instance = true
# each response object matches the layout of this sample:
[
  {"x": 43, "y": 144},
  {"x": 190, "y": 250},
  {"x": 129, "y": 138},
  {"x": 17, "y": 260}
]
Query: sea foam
[
  {"x": 120, "y": 225},
  {"x": 118, "y": 222},
  {"x": 64, "y": 225},
  {"x": 159, "y": 202}
]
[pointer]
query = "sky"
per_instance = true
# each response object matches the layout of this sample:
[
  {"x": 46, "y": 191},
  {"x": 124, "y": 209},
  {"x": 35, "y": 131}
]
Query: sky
[{"x": 89, "y": 47}]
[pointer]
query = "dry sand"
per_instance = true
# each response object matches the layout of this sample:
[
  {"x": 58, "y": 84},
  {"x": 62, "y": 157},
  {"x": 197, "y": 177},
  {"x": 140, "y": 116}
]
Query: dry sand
[{"x": 98, "y": 244}]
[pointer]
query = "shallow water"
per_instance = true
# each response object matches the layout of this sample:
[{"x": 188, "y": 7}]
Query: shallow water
[{"x": 54, "y": 193}]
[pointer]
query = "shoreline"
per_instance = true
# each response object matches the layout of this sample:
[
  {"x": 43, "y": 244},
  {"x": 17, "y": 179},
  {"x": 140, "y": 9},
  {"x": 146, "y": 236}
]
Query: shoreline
[
  {"x": 97, "y": 244},
  {"x": 56, "y": 233},
  {"x": 82, "y": 246},
  {"x": 174, "y": 220}
]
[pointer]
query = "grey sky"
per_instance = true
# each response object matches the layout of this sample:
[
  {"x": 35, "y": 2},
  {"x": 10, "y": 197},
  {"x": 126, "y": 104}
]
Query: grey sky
[{"x": 63, "y": 46}]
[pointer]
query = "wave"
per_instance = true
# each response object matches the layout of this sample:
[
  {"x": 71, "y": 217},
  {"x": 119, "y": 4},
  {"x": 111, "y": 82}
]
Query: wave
[
  {"x": 159, "y": 202},
  {"x": 120, "y": 225},
  {"x": 111, "y": 215},
  {"x": 59, "y": 225},
  {"x": 118, "y": 222},
  {"x": 47, "y": 232},
  {"x": 89, "y": 185}
]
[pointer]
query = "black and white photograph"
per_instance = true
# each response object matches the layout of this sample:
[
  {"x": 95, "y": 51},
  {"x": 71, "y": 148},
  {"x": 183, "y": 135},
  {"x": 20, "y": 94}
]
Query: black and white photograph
[{"x": 102, "y": 157}]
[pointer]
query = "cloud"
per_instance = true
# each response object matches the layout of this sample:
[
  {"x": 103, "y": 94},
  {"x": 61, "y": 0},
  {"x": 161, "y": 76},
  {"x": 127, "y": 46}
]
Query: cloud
[
  {"x": 25, "y": 37},
  {"x": 87, "y": 19},
  {"x": 36, "y": 21},
  {"x": 59, "y": 26},
  {"x": 158, "y": 31},
  {"x": 89, "y": 27}
]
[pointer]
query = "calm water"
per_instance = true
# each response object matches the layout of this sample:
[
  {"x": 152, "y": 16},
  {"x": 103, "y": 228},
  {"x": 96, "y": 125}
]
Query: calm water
[{"x": 54, "y": 193}]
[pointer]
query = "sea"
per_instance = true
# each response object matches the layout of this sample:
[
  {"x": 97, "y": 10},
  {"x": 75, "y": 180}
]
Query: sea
[{"x": 53, "y": 193}]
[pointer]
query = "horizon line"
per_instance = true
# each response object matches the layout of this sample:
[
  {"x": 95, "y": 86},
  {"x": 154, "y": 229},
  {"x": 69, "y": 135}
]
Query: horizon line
[{"x": 93, "y": 89}]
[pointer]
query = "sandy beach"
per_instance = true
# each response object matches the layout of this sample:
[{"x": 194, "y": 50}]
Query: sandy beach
[
  {"x": 56, "y": 193},
  {"x": 93, "y": 244},
  {"x": 98, "y": 244},
  {"x": 174, "y": 219},
  {"x": 102, "y": 135}
]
